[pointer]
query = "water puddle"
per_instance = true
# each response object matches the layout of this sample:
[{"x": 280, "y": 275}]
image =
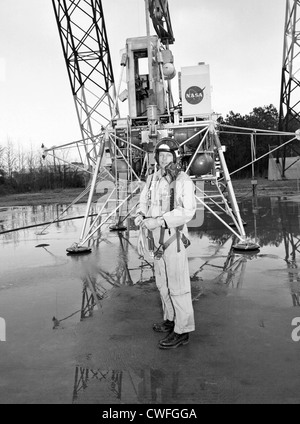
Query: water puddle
[
  {"x": 145, "y": 386},
  {"x": 45, "y": 295}
]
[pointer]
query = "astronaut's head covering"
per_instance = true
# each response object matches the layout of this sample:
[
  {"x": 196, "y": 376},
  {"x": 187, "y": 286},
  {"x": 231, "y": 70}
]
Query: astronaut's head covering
[{"x": 167, "y": 144}]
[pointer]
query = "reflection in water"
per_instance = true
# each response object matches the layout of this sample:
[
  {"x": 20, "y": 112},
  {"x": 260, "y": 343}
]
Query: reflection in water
[
  {"x": 97, "y": 281},
  {"x": 147, "y": 386},
  {"x": 292, "y": 245},
  {"x": 112, "y": 381},
  {"x": 26, "y": 217},
  {"x": 272, "y": 222},
  {"x": 235, "y": 266},
  {"x": 231, "y": 273},
  {"x": 114, "y": 262},
  {"x": 92, "y": 294},
  {"x": 158, "y": 387},
  {"x": 293, "y": 270},
  {"x": 150, "y": 386},
  {"x": 266, "y": 225},
  {"x": 291, "y": 241}
]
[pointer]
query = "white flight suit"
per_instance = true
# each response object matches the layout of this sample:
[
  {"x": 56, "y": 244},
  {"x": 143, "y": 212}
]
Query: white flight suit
[{"x": 172, "y": 270}]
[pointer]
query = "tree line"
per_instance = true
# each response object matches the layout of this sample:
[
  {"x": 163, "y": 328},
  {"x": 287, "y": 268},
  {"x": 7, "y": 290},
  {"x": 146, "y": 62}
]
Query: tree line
[
  {"x": 27, "y": 171},
  {"x": 22, "y": 172},
  {"x": 238, "y": 145}
]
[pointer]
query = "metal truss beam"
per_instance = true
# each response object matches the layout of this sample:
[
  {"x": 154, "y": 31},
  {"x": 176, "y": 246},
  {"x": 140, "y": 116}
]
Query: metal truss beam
[
  {"x": 86, "y": 52},
  {"x": 160, "y": 15}
]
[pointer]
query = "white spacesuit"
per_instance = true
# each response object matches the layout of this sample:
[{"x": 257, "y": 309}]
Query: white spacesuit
[{"x": 167, "y": 204}]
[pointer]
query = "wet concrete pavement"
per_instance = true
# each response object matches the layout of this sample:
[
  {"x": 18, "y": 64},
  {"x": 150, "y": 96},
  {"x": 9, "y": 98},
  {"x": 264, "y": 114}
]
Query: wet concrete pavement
[{"x": 101, "y": 349}]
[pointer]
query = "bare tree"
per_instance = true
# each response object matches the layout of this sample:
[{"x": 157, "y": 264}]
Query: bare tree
[
  {"x": 20, "y": 159},
  {"x": 31, "y": 161},
  {"x": 9, "y": 159},
  {"x": 1, "y": 156},
  {"x": 2, "y": 171}
]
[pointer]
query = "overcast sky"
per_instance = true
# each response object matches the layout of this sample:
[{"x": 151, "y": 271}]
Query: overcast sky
[{"x": 241, "y": 40}]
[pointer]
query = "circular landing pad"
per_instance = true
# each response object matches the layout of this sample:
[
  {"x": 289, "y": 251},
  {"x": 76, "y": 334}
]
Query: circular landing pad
[
  {"x": 78, "y": 250},
  {"x": 245, "y": 246}
]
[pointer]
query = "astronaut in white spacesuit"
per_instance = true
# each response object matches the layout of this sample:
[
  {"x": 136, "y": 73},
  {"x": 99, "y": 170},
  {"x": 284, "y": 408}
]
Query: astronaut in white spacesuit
[{"x": 167, "y": 204}]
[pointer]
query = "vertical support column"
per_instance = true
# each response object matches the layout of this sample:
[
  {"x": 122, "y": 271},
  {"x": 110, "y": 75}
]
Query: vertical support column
[
  {"x": 232, "y": 198},
  {"x": 92, "y": 189},
  {"x": 253, "y": 158}
]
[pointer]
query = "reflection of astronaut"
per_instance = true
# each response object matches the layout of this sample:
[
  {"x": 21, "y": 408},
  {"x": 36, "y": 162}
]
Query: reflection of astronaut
[{"x": 158, "y": 387}]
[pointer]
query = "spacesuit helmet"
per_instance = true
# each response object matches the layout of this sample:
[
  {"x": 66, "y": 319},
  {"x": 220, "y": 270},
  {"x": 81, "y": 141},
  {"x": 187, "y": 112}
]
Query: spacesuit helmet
[{"x": 167, "y": 144}]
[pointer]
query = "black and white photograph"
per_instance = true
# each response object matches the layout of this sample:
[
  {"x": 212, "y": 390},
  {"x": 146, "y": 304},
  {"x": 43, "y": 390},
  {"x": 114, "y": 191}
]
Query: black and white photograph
[{"x": 149, "y": 204}]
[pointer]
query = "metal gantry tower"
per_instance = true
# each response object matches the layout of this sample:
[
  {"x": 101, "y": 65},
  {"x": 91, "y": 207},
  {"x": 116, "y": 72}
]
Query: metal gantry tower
[
  {"x": 86, "y": 51},
  {"x": 289, "y": 112}
]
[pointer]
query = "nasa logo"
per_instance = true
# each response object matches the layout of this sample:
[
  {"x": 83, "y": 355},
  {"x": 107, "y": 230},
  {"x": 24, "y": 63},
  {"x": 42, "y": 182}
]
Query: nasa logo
[{"x": 194, "y": 95}]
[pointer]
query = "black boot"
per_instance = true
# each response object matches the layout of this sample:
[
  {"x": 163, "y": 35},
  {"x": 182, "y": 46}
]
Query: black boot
[
  {"x": 175, "y": 340},
  {"x": 167, "y": 338},
  {"x": 164, "y": 327}
]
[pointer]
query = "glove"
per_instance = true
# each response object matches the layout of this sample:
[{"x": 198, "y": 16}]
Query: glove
[
  {"x": 141, "y": 244},
  {"x": 138, "y": 220}
]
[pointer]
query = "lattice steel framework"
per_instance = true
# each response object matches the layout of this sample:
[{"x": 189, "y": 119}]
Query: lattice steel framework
[
  {"x": 289, "y": 114},
  {"x": 160, "y": 15},
  {"x": 86, "y": 51}
]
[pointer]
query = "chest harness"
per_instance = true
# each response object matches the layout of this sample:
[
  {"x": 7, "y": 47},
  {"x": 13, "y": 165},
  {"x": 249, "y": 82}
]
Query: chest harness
[{"x": 157, "y": 252}]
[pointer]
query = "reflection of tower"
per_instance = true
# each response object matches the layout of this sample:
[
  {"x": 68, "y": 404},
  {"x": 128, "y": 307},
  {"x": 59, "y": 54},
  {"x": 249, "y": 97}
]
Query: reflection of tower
[
  {"x": 292, "y": 246},
  {"x": 122, "y": 273},
  {"x": 149, "y": 386},
  {"x": 233, "y": 270},
  {"x": 85, "y": 377},
  {"x": 90, "y": 297},
  {"x": 235, "y": 267},
  {"x": 237, "y": 263},
  {"x": 97, "y": 280}
]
